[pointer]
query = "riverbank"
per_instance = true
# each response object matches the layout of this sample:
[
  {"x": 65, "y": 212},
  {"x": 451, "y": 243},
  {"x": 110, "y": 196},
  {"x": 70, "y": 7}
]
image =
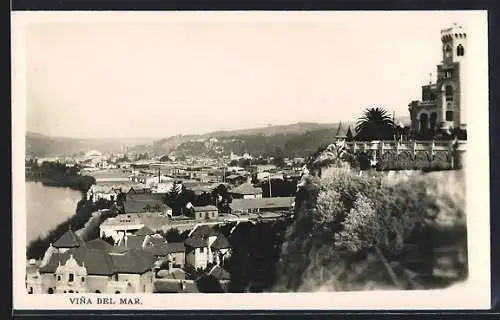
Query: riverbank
[
  {"x": 82, "y": 219},
  {"x": 46, "y": 207},
  {"x": 56, "y": 174}
]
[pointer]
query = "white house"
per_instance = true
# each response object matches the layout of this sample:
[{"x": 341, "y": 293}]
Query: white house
[{"x": 121, "y": 225}]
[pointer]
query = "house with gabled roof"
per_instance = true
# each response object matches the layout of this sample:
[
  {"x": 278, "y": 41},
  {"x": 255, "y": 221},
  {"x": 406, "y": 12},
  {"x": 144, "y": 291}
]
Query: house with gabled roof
[
  {"x": 196, "y": 252},
  {"x": 67, "y": 241},
  {"x": 246, "y": 191},
  {"x": 220, "y": 249},
  {"x": 94, "y": 267},
  {"x": 204, "y": 212},
  {"x": 121, "y": 225}
]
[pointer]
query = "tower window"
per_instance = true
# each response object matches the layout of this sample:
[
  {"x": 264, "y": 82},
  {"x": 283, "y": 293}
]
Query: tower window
[
  {"x": 447, "y": 51},
  {"x": 71, "y": 277},
  {"x": 449, "y": 115},
  {"x": 460, "y": 50},
  {"x": 449, "y": 93},
  {"x": 58, "y": 278}
]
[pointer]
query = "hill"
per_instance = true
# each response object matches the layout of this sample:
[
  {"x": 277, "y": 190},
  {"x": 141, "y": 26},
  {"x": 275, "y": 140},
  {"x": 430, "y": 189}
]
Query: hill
[
  {"x": 244, "y": 140},
  {"x": 39, "y": 145}
]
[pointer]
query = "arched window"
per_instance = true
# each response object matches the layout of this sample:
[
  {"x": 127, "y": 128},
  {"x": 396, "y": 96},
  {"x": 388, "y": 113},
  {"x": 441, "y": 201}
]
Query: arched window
[
  {"x": 460, "y": 50},
  {"x": 30, "y": 291},
  {"x": 97, "y": 291},
  {"x": 448, "y": 91},
  {"x": 50, "y": 291},
  {"x": 117, "y": 292},
  {"x": 70, "y": 291}
]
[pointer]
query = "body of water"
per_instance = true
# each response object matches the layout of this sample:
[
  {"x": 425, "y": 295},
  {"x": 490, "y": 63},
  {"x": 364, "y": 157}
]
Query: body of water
[{"x": 47, "y": 207}]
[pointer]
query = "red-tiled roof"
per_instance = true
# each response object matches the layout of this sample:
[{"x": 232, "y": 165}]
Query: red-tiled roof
[
  {"x": 68, "y": 240},
  {"x": 220, "y": 243},
  {"x": 246, "y": 188}
]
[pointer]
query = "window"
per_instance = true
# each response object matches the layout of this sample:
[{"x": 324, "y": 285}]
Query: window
[
  {"x": 30, "y": 291},
  {"x": 97, "y": 291},
  {"x": 433, "y": 120},
  {"x": 71, "y": 291},
  {"x": 116, "y": 277},
  {"x": 64, "y": 291},
  {"x": 83, "y": 279},
  {"x": 50, "y": 291},
  {"x": 449, "y": 93},
  {"x": 460, "y": 50},
  {"x": 71, "y": 277},
  {"x": 449, "y": 115},
  {"x": 447, "y": 51},
  {"x": 202, "y": 250},
  {"x": 117, "y": 292},
  {"x": 58, "y": 278}
]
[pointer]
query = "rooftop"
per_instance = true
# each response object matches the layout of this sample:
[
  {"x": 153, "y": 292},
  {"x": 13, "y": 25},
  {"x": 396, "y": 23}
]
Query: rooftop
[
  {"x": 221, "y": 242},
  {"x": 262, "y": 203},
  {"x": 205, "y": 208},
  {"x": 68, "y": 240},
  {"x": 246, "y": 188},
  {"x": 195, "y": 242},
  {"x": 219, "y": 273},
  {"x": 202, "y": 231}
]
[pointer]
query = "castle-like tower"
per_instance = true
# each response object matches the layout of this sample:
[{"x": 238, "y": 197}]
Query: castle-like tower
[{"x": 442, "y": 105}]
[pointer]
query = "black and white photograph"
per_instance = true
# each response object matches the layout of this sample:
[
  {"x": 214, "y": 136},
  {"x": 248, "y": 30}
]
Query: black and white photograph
[{"x": 249, "y": 153}]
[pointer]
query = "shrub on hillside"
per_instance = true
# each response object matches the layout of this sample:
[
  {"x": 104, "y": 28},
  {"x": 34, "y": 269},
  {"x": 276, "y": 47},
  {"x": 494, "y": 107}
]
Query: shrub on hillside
[{"x": 359, "y": 233}]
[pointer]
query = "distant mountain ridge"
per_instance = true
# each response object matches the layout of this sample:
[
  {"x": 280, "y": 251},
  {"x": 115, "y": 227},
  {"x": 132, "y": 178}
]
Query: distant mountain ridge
[{"x": 38, "y": 145}]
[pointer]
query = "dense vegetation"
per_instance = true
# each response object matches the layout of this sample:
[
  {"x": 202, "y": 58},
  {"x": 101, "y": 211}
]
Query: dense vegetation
[
  {"x": 364, "y": 232},
  {"x": 58, "y": 175}
]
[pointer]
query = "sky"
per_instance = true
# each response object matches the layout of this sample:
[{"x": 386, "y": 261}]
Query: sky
[{"x": 168, "y": 74}]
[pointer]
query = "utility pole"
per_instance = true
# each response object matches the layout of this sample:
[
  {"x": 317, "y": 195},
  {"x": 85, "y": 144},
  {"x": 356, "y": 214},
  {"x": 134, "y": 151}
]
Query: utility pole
[{"x": 270, "y": 191}]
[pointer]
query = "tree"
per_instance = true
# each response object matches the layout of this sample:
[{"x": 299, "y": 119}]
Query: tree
[
  {"x": 375, "y": 124},
  {"x": 173, "y": 235},
  {"x": 279, "y": 162}
]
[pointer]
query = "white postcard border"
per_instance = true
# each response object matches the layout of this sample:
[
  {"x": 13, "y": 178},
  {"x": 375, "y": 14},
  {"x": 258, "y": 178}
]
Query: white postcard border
[{"x": 474, "y": 294}]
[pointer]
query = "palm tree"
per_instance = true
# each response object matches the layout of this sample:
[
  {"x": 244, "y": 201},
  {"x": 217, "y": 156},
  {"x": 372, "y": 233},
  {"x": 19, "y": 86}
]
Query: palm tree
[{"x": 375, "y": 124}]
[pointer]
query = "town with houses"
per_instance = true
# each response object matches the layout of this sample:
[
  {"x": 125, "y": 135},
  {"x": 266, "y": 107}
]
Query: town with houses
[
  {"x": 132, "y": 255},
  {"x": 139, "y": 259}
]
